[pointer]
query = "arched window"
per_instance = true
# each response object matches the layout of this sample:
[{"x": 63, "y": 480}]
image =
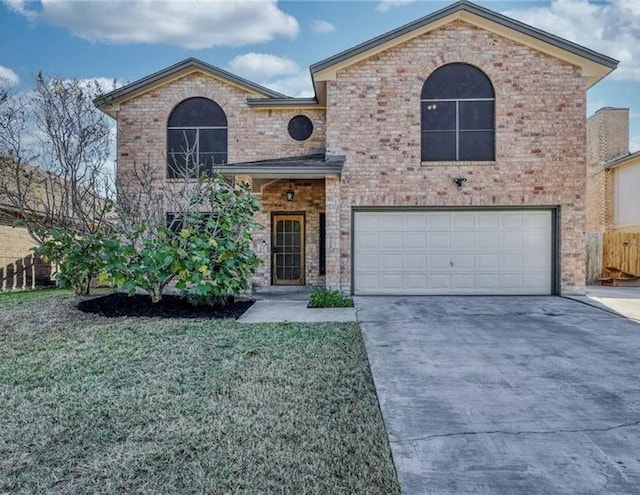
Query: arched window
[
  {"x": 458, "y": 122},
  {"x": 196, "y": 138}
]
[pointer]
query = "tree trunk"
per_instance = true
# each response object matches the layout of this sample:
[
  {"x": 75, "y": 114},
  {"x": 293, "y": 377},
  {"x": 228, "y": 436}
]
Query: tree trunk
[{"x": 156, "y": 294}]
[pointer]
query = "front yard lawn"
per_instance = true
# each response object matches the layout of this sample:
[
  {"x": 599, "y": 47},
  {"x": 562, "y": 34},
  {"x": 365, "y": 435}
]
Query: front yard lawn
[{"x": 120, "y": 405}]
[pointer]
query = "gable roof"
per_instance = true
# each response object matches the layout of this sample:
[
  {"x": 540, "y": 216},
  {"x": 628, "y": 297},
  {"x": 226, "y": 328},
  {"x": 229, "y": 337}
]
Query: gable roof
[
  {"x": 594, "y": 65},
  {"x": 109, "y": 101}
]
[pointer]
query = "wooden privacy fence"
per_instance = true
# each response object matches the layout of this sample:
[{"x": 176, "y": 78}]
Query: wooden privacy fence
[
  {"x": 621, "y": 250},
  {"x": 24, "y": 273}
]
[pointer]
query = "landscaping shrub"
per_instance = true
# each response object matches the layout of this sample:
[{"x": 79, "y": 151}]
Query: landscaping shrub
[{"x": 325, "y": 298}]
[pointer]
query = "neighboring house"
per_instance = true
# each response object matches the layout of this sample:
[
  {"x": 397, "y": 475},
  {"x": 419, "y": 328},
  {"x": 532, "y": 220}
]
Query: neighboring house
[
  {"x": 613, "y": 173},
  {"x": 444, "y": 157},
  {"x": 613, "y": 202}
]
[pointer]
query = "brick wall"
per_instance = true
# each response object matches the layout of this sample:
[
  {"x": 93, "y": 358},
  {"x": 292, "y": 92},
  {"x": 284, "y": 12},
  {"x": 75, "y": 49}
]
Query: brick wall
[
  {"x": 373, "y": 117},
  {"x": 607, "y": 139},
  {"x": 253, "y": 134}
]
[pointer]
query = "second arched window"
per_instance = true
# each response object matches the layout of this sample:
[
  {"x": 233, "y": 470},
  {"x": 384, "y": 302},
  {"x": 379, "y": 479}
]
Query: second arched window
[
  {"x": 196, "y": 138},
  {"x": 458, "y": 115}
]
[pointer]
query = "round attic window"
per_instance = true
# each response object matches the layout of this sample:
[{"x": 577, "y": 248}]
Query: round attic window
[{"x": 300, "y": 127}]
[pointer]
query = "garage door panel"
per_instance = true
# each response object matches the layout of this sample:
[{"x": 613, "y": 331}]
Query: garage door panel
[
  {"x": 512, "y": 261},
  {"x": 366, "y": 241},
  {"x": 537, "y": 220},
  {"x": 535, "y": 240},
  {"x": 488, "y": 221},
  {"x": 462, "y": 240},
  {"x": 512, "y": 221},
  {"x": 439, "y": 221},
  {"x": 487, "y": 240},
  {"x": 392, "y": 280},
  {"x": 463, "y": 261},
  {"x": 416, "y": 261},
  {"x": 392, "y": 223},
  {"x": 390, "y": 241},
  {"x": 488, "y": 262},
  {"x": 462, "y": 281},
  {"x": 488, "y": 281},
  {"x": 416, "y": 281},
  {"x": 439, "y": 281},
  {"x": 392, "y": 261},
  {"x": 453, "y": 252},
  {"x": 511, "y": 240},
  {"x": 438, "y": 240},
  {"x": 367, "y": 262},
  {"x": 368, "y": 222},
  {"x": 464, "y": 221},
  {"x": 415, "y": 240},
  {"x": 439, "y": 261},
  {"x": 416, "y": 221},
  {"x": 512, "y": 280}
]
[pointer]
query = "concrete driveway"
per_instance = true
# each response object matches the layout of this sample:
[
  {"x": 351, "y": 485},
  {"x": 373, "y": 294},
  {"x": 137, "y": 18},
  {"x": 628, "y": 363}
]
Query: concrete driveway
[{"x": 499, "y": 395}]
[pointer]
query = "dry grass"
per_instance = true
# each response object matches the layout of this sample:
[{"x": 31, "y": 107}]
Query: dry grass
[{"x": 94, "y": 405}]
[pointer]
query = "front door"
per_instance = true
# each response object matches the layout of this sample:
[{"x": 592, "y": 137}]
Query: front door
[{"x": 287, "y": 245}]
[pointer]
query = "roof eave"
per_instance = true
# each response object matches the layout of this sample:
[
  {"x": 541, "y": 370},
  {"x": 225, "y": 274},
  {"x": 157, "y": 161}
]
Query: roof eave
[
  {"x": 110, "y": 100},
  {"x": 276, "y": 172},
  {"x": 623, "y": 160},
  {"x": 283, "y": 102}
]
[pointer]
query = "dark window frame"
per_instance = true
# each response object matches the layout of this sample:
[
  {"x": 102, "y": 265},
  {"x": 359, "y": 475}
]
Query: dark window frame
[
  {"x": 216, "y": 116},
  {"x": 300, "y": 132},
  {"x": 322, "y": 251},
  {"x": 457, "y": 130}
]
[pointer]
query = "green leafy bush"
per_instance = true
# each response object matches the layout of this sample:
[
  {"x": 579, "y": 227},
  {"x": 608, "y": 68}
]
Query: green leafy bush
[
  {"x": 325, "y": 298},
  {"x": 79, "y": 256},
  {"x": 208, "y": 255}
]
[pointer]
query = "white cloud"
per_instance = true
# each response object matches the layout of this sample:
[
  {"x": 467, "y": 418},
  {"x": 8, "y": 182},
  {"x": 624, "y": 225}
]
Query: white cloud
[
  {"x": 385, "y": 5},
  {"x": 261, "y": 65},
  {"x": 611, "y": 28},
  {"x": 7, "y": 76},
  {"x": 320, "y": 26},
  {"x": 278, "y": 73},
  {"x": 298, "y": 85},
  {"x": 192, "y": 24}
]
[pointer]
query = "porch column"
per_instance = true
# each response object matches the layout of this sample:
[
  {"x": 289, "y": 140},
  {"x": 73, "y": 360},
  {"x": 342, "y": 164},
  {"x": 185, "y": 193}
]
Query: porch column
[{"x": 332, "y": 232}]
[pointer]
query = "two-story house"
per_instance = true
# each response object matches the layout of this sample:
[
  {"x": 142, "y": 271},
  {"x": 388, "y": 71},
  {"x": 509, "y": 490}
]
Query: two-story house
[{"x": 447, "y": 156}]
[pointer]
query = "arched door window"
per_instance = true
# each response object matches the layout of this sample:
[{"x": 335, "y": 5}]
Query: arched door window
[
  {"x": 458, "y": 115},
  {"x": 196, "y": 138}
]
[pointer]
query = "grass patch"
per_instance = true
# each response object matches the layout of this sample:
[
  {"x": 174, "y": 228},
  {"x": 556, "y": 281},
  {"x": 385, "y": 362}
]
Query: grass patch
[
  {"x": 325, "y": 298},
  {"x": 136, "y": 405}
]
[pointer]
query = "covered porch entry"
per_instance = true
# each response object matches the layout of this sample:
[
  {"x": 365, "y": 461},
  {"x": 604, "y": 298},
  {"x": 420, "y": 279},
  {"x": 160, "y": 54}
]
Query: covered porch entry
[{"x": 298, "y": 200}]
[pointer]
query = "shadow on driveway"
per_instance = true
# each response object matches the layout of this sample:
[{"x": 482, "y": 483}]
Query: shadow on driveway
[{"x": 503, "y": 395}]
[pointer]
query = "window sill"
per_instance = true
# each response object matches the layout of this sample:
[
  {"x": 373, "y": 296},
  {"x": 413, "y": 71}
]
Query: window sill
[{"x": 459, "y": 164}]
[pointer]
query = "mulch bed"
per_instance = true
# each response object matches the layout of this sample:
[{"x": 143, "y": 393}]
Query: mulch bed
[{"x": 118, "y": 305}]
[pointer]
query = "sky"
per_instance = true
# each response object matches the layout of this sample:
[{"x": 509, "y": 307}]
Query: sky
[{"x": 273, "y": 42}]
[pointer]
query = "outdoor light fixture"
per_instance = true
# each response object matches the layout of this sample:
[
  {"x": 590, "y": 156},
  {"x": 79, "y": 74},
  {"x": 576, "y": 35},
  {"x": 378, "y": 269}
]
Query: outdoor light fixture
[
  {"x": 290, "y": 193},
  {"x": 459, "y": 181}
]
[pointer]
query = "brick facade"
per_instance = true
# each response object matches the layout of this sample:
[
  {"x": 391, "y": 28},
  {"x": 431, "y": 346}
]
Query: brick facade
[
  {"x": 253, "y": 134},
  {"x": 373, "y": 118}
]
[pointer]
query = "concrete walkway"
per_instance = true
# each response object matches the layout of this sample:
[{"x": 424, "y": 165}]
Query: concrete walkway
[
  {"x": 622, "y": 300},
  {"x": 506, "y": 395},
  {"x": 290, "y": 306}
]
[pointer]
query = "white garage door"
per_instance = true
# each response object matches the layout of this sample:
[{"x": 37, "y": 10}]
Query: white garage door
[{"x": 453, "y": 252}]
